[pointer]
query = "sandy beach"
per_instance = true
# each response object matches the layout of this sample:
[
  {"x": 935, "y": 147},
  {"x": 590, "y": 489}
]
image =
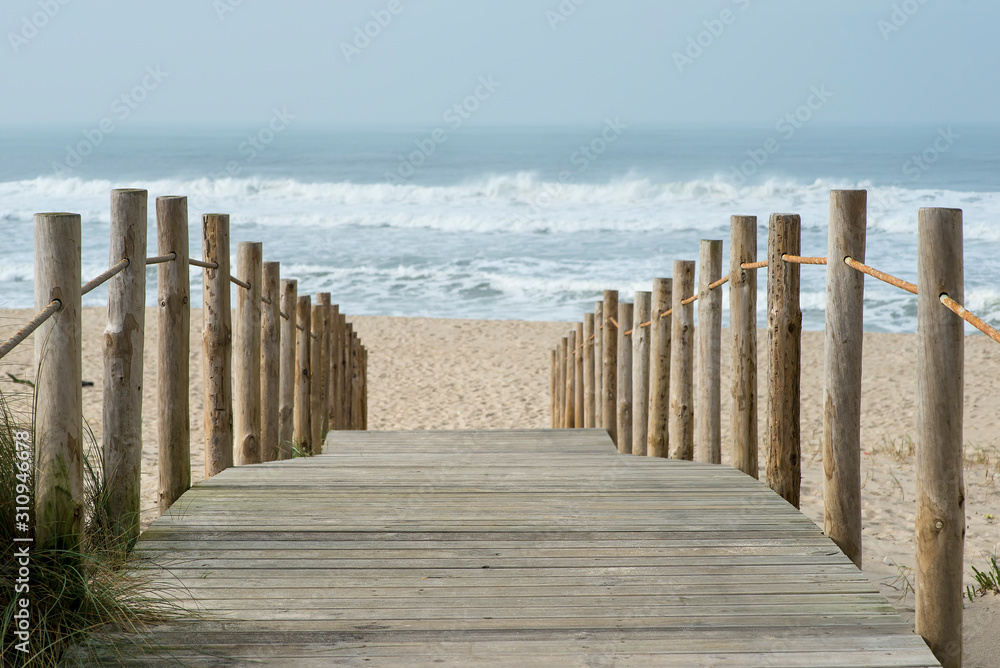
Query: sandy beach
[{"x": 444, "y": 374}]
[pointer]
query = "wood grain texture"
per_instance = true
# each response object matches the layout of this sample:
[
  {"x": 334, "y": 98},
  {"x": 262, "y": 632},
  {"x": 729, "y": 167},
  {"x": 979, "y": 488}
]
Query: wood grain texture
[
  {"x": 333, "y": 369},
  {"x": 173, "y": 355},
  {"x": 578, "y": 379},
  {"x": 640, "y": 372},
  {"x": 624, "y": 384},
  {"x": 318, "y": 322},
  {"x": 217, "y": 345},
  {"x": 246, "y": 354},
  {"x": 659, "y": 369},
  {"x": 569, "y": 392},
  {"x": 598, "y": 364},
  {"x": 324, "y": 300},
  {"x": 743, "y": 328},
  {"x": 708, "y": 402},
  {"x": 589, "y": 378},
  {"x": 124, "y": 341},
  {"x": 784, "y": 346},
  {"x": 289, "y": 368},
  {"x": 561, "y": 382},
  {"x": 303, "y": 384},
  {"x": 609, "y": 373},
  {"x": 270, "y": 363},
  {"x": 845, "y": 295},
  {"x": 940, "y": 523},
  {"x": 521, "y": 548},
  {"x": 681, "y": 424}
]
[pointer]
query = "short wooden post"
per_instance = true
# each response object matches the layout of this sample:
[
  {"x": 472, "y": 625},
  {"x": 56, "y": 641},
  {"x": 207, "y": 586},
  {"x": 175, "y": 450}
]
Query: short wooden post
[
  {"x": 784, "y": 342},
  {"x": 940, "y": 521},
  {"x": 640, "y": 372},
  {"x": 246, "y": 354},
  {"x": 124, "y": 338},
  {"x": 561, "y": 383},
  {"x": 845, "y": 294},
  {"x": 598, "y": 364},
  {"x": 708, "y": 403},
  {"x": 289, "y": 369},
  {"x": 624, "y": 371},
  {"x": 333, "y": 369},
  {"x": 217, "y": 345},
  {"x": 609, "y": 342},
  {"x": 743, "y": 327},
  {"x": 303, "y": 386},
  {"x": 316, "y": 377},
  {"x": 553, "y": 372},
  {"x": 357, "y": 419},
  {"x": 270, "y": 363},
  {"x": 364, "y": 388},
  {"x": 59, "y": 397},
  {"x": 343, "y": 390},
  {"x": 578, "y": 390},
  {"x": 173, "y": 299},
  {"x": 348, "y": 377},
  {"x": 323, "y": 298},
  {"x": 569, "y": 417},
  {"x": 681, "y": 421},
  {"x": 589, "y": 396},
  {"x": 659, "y": 368}
]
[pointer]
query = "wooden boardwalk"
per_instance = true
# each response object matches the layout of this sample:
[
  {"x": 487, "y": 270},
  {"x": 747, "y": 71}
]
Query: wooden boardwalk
[{"x": 526, "y": 548}]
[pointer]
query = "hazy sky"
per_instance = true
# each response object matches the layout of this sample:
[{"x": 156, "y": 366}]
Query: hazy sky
[{"x": 570, "y": 61}]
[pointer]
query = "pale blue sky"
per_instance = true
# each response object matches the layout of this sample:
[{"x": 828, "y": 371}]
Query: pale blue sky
[{"x": 608, "y": 58}]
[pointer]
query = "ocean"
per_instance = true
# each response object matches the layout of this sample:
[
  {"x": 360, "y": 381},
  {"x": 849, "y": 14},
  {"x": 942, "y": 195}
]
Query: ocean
[{"x": 510, "y": 223}]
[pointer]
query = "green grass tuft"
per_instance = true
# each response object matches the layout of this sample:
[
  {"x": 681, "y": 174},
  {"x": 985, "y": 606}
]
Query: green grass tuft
[{"x": 988, "y": 580}]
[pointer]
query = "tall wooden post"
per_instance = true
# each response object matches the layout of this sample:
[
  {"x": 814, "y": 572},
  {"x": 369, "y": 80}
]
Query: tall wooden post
[
  {"x": 58, "y": 382},
  {"x": 357, "y": 413},
  {"x": 845, "y": 295},
  {"x": 246, "y": 354},
  {"x": 659, "y": 368},
  {"x": 173, "y": 299},
  {"x": 681, "y": 425},
  {"x": 569, "y": 418},
  {"x": 364, "y": 388},
  {"x": 316, "y": 376},
  {"x": 640, "y": 372},
  {"x": 323, "y": 298},
  {"x": 333, "y": 369},
  {"x": 124, "y": 338},
  {"x": 708, "y": 404},
  {"x": 784, "y": 343},
  {"x": 609, "y": 343},
  {"x": 342, "y": 385},
  {"x": 553, "y": 372},
  {"x": 270, "y": 363},
  {"x": 217, "y": 345},
  {"x": 598, "y": 364},
  {"x": 624, "y": 371},
  {"x": 589, "y": 396},
  {"x": 288, "y": 374},
  {"x": 303, "y": 384},
  {"x": 561, "y": 383},
  {"x": 940, "y": 524},
  {"x": 743, "y": 326},
  {"x": 348, "y": 377},
  {"x": 578, "y": 390}
]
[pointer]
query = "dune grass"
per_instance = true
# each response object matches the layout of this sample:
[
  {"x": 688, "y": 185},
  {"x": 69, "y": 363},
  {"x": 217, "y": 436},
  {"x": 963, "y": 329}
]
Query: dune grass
[{"x": 988, "y": 579}]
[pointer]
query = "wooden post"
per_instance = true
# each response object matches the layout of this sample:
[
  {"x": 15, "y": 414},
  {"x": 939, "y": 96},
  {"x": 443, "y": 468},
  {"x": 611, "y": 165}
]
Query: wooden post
[
  {"x": 640, "y": 373},
  {"x": 598, "y": 364},
  {"x": 624, "y": 371},
  {"x": 124, "y": 338},
  {"x": 553, "y": 372},
  {"x": 342, "y": 385},
  {"x": 333, "y": 369},
  {"x": 578, "y": 378},
  {"x": 609, "y": 342},
  {"x": 288, "y": 374},
  {"x": 173, "y": 287},
  {"x": 708, "y": 404},
  {"x": 323, "y": 298},
  {"x": 316, "y": 377},
  {"x": 589, "y": 417},
  {"x": 681, "y": 421},
  {"x": 364, "y": 388},
  {"x": 357, "y": 420},
  {"x": 940, "y": 524},
  {"x": 784, "y": 343},
  {"x": 348, "y": 377},
  {"x": 659, "y": 368},
  {"x": 246, "y": 354},
  {"x": 270, "y": 363},
  {"x": 217, "y": 345},
  {"x": 845, "y": 294},
  {"x": 743, "y": 326},
  {"x": 561, "y": 383},
  {"x": 569, "y": 417},
  {"x": 58, "y": 394},
  {"x": 303, "y": 386}
]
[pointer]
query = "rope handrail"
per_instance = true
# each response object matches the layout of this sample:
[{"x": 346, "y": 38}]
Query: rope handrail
[
  {"x": 97, "y": 281},
  {"x": 242, "y": 284},
  {"x": 161, "y": 259},
  {"x": 754, "y": 265},
  {"x": 799, "y": 259},
  {"x": 970, "y": 317},
  {"x": 203, "y": 264},
  {"x": 880, "y": 275},
  {"x": 54, "y": 306}
]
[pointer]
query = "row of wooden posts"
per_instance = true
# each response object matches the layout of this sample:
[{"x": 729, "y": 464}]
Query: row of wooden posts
[
  {"x": 277, "y": 376},
  {"x": 631, "y": 371}
]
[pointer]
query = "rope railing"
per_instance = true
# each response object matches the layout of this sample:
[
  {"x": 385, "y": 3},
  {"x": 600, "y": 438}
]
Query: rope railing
[
  {"x": 30, "y": 327},
  {"x": 970, "y": 317},
  {"x": 202, "y": 264},
  {"x": 161, "y": 259},
  {"x": 880, "y": 275},
  {"x": 99, "y": 280}
]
